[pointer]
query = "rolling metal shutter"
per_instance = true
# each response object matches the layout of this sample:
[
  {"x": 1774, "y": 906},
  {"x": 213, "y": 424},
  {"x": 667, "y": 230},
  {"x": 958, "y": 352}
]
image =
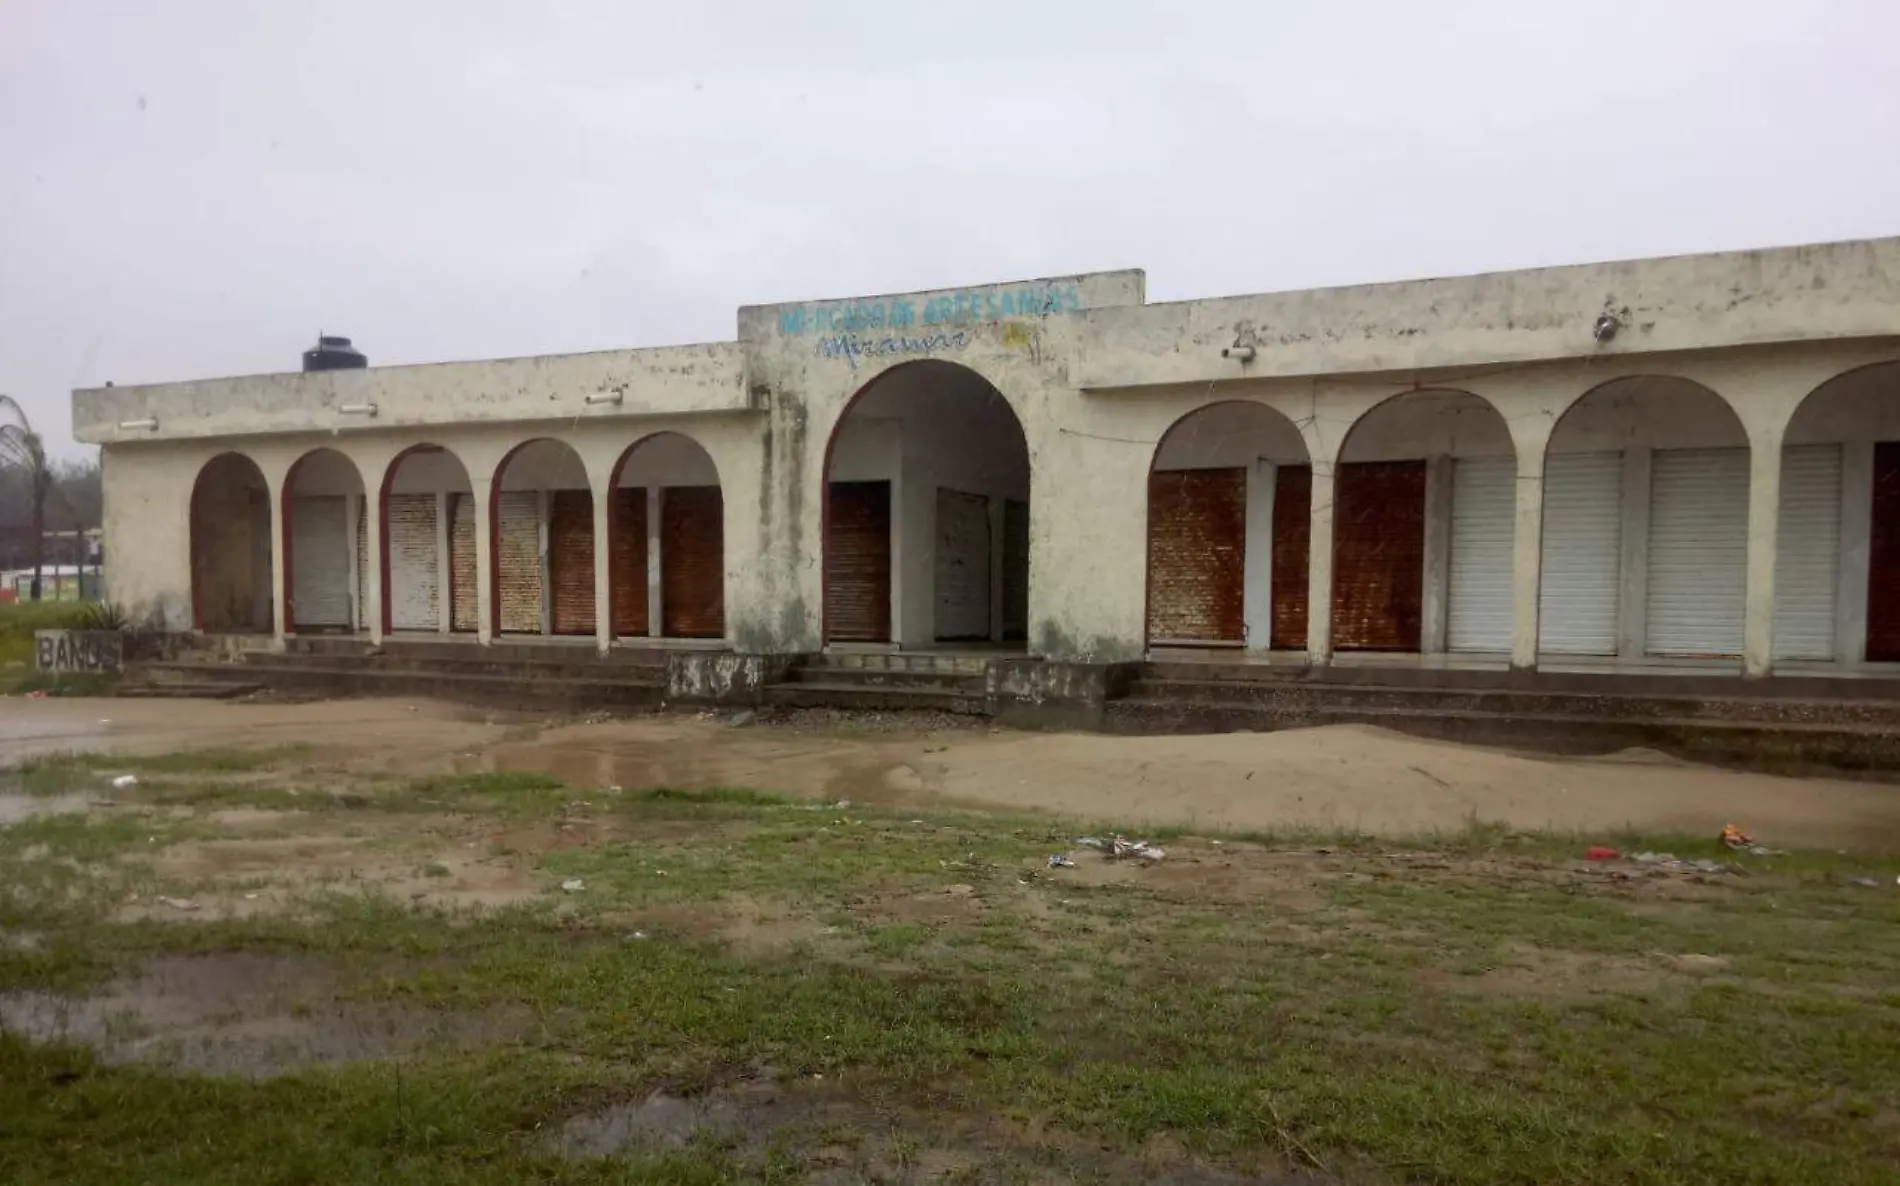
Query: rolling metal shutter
[
  {"x": 1197, "y": 553},
  {"x": 1578, "y": 594},
  {"x": 858, "y": 562},
  {"x": 320, "y": 562},
  {"x": 1808, "y": 552},
  {"x": 1698, "y": 551},
  {"x": 1883, "y": 557},
  {"x": 1483, "y": 508},
  {"x": 1015, "y": 570},
  {"x": 518, "y": 560},
  {"x": 1292, "y": 529},
  {"x": 963, "y": 566},
  {"x": 465, "y": 605},
  {"x": 1379, "y": 556},
  {"x": 415, "y": 563},
  {"x": 628, "y": 564},
  {"x": 692, "y": 562},
  {"x": 571, "y": 560}
]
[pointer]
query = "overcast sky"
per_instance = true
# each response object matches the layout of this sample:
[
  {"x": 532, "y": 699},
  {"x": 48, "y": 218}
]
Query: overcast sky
[{"x": 195, "y": 187}]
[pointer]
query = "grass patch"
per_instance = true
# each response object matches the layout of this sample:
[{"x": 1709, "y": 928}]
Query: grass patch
[{"x": 1476, "y": 1007}]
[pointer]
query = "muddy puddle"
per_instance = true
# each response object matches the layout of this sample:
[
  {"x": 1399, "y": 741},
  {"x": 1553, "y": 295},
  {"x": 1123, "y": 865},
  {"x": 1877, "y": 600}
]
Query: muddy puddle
[{"x": 250, "y": 1016}]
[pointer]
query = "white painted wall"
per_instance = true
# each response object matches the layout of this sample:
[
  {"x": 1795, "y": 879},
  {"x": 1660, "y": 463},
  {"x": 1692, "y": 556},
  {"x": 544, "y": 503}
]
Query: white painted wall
[{"x": 1094, "y": 390}]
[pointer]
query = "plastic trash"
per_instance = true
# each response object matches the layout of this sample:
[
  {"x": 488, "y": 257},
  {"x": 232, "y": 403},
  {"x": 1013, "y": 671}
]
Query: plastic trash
[
  {"x": 1601, "y": 853},
  {"x": 124, "y": 782},
  {"x": 1734, "y": 837},
  {"x": 573, "y": 885},
  {"x": 1060, "y": 860},
  {"x": 1864, "y": 882}
]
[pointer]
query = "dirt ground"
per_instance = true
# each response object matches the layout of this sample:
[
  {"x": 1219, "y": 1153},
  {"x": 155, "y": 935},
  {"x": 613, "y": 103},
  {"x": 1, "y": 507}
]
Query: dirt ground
[{"x": 1344, "y": 777}]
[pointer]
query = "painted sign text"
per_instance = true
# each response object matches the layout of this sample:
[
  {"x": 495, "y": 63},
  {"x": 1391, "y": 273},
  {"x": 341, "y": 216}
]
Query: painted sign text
[{"x": 964, "y": 307}]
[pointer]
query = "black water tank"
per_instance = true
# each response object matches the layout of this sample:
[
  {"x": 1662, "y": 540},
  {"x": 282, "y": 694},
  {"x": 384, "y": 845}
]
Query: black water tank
[{"x": 333, "y": 354}]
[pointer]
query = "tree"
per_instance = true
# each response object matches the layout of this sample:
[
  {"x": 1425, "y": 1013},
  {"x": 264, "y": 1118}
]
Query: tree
[{"x": 22, "y": 450}]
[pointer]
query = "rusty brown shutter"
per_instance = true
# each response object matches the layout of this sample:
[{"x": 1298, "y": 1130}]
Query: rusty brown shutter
[
  {"x": 518, "y": 560},
  {"x": 465, "y": 611},
  {"x": 413, "y": 585},
  {"x": 1015, "y": 570},
  {"x": 692, "y": 562},
  {"x": 571, "y": 560},
  {"x": 858, "y": 563},
  {"x": 629, "y": 562},
  {"x": 1883, "y": 557},
  {"x": 1379, "y": 556},
  {"x": 1197, "y": 554},
  {"x": 1292, "y": 530}
]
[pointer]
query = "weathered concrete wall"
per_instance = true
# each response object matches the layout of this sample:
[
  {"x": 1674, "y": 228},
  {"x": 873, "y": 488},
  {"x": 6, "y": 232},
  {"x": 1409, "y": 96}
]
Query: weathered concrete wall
[
  {"x": 667, "y": 380},
  {"x": 1715, "y": 349}
]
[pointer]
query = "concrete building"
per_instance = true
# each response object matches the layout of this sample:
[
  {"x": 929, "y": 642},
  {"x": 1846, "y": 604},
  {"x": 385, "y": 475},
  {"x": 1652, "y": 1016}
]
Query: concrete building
[{"x": 1647, "y": 466}]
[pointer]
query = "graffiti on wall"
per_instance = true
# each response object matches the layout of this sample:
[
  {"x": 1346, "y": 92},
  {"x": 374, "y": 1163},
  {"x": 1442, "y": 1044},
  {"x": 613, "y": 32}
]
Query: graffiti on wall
[
  {"x": 852, "y": 347},
  {"x": 63, "y": 651},
  {"x": 965, "y": 306}
]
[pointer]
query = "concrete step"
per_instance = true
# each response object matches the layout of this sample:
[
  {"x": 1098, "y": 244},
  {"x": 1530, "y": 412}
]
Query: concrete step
[
  {"x": 575, "y": 666},
  {"x": 934, "y": 663},
  {"x": 1643, "y": 705},
  {"x": 863, "y": 698},
  {"x": 1712, "y": 683},
  {"x": 871, "y": 677},
  {"x": 185, "y": 689},
  {"x": 510, "y": 690},
  {"x": 1782, "y": 747}
]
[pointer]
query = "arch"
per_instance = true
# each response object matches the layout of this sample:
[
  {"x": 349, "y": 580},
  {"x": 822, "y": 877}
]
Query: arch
[
  {"x": 1645, "y": 522},
  {"x": 666, "y": 520},
  {"x": 1229, "y": 515},
  {"x": 426, "y": 565},
  {"x": 1424, "y": 501},
  {"x": 323, "y": 543},
  {"x": 541, "y": 541},
  {"x": 1837, "y": 555},
  {"x": 230, "y": 531},
  {"x": 925, "y": 511}
]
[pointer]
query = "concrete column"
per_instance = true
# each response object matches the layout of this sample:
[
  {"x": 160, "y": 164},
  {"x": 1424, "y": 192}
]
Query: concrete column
[
  {"x": 1257, "y": 597},
  {"x": 603, "y": 569},
  {"x": 279, "y": 551},
  {"x": 1319, "y": 568},
  {"x": 445, "y": 568},
  {"x": 656, "y": 503},
  {"x": 352, "y": 509},
  {"x": 1632, "y": 595},
  {"x": 373, "y": 580},
  {"x": 481, "y": 492},
  {"x": 1764, "y": 529},
  {"x": 1527, "y": 556},
  {"x": 1436, "y": 597},
  {"x": 1857, "y": 523}
]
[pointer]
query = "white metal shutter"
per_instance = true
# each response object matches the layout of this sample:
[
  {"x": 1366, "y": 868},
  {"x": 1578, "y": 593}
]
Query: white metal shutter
[
  {"x": 415, "y": 563},
  {"x": 1577, "y": 597},
  {"x": 320, "y": 561},
  {"x": 1808, "y": 552},
  {"x": 1698, "y": 551},
  {"x": 362, "y": 563},
  {"x": 518, "y": 560},
  {"x": 1483, "y": 507},
  {"x": 963, "y": 566}
]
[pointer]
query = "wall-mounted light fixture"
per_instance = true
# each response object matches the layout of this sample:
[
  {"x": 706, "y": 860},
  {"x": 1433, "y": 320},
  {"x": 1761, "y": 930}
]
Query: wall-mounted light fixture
[
  {"x": 149, "y": 424},
  {"x": 357, "y": 409},
  {"x": 1237, "y": 353},
  {"x": 606, "y": 397}
]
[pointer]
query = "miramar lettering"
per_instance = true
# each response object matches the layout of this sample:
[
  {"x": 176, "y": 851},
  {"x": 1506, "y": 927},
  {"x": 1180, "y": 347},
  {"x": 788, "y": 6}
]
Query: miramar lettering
[
  {"x": 852, "y": 347},
  {"x": 964, "y": 307}
]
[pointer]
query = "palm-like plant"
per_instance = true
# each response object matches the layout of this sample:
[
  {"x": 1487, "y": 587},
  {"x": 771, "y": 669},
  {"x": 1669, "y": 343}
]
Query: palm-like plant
[{"x": 22, "y": 449}]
